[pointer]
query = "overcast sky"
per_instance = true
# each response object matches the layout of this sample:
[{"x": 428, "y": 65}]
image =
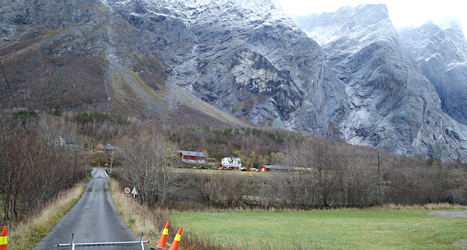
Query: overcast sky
[{"x": 401, "y": 12}]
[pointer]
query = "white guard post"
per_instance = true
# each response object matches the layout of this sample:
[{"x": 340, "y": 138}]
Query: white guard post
[{"x": 72, "y": 244}]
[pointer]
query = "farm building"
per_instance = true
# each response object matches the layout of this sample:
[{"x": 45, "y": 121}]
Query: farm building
[
  {"x": 192, "y": 157},
  {"x": 110, "y": 148},
  {"x": 66, "y": 142},
  {"x": 231, "y": 161},
  {"x": 265, "y": 168}
]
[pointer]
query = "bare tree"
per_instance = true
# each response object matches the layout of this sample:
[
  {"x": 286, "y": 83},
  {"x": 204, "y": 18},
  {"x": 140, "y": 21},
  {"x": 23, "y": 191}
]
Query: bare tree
[
  {"x": 361, "y": 186},
  {"x": 33, "y": 168},
  {"x": 148, "y": 164}
]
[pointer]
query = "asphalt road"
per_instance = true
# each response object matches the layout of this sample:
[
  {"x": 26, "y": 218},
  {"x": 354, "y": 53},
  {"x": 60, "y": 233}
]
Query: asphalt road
[{"x": 93, "y": 219}]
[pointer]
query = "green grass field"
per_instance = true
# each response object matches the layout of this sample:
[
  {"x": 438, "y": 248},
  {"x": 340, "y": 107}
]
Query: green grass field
[
  {"x": 326, "y": 229},
  {"x": 219, "y": 172}
]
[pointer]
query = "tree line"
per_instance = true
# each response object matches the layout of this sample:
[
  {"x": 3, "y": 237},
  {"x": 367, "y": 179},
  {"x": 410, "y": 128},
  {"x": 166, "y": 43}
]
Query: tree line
[
  {"x": 35, "y": 165},
  {"x": 325, "y": 174}
]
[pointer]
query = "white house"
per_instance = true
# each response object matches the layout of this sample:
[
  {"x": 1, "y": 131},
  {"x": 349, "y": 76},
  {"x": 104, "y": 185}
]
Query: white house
[{"x": 231, "y": 161}]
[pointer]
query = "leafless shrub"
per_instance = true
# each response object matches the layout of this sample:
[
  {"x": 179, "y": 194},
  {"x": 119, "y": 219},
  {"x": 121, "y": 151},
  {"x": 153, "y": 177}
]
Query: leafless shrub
[
  {"x": 148, "y": 162},
  {"x": 361, "y": 185}
]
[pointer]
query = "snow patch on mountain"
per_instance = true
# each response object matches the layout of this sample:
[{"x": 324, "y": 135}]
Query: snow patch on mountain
[
  {"x": 439, "y": 51},
  {"x": 249, "y": 59},
  {"x": 106, "y": 3},
  {"x": 392, "y": 106}
]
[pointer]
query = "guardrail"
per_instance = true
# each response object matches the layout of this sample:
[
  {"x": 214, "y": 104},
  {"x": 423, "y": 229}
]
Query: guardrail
[{"x": 73, "y": 244}]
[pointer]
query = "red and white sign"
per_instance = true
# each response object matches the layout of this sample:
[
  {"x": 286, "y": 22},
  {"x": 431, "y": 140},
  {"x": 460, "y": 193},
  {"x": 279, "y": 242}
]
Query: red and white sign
[{"x": 127, "y": 190}]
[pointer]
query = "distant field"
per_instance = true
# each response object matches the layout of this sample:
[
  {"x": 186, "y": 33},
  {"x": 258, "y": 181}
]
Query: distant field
[{"x": 328, "y": 229}]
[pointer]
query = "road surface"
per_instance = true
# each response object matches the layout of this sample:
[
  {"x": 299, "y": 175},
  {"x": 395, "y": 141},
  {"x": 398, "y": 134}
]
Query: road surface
[{"x": 93, "y": 219}]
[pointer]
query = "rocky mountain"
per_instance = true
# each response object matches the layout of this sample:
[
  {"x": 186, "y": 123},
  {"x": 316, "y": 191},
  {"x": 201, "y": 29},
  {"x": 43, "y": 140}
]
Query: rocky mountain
[
  {"x": 243, "y": 57},
  {"x": 392, "y": 105},
  {"x": 439, "y": 51},
  {"x": 242, "y": 63},
  {"x": 82, "y": 56}
]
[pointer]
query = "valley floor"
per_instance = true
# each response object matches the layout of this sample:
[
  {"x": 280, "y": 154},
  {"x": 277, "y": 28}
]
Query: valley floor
[{"x": 328, "y": 229}]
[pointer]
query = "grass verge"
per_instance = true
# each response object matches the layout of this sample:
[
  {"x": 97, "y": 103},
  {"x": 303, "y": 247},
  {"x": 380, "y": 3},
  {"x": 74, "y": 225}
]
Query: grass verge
[
  {"x": 28, "y": 234},
  {"x": 137, "y": 216}
]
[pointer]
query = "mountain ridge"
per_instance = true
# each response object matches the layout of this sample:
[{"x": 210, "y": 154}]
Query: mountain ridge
[
  {"x": 440, "y": 53},
  {"x": 236, "y": 62},
  {"x": 394, "y": 107}
]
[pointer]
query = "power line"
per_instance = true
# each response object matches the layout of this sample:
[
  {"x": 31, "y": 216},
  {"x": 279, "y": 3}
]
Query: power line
[{"x": 11, "y": 94}]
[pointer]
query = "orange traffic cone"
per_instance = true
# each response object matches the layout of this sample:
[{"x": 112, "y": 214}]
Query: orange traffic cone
[
  {"x": 3, "y": 240},
  {"x": 162, "y": 245},
  {"x": 176, "y": 241}
]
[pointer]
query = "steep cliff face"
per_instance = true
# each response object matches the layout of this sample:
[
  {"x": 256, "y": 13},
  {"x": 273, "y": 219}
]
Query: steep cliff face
[
  {"x": 393, "y": 106},
  {"x": 439, "y": 51},
  {"x": 243, "y": 57}
]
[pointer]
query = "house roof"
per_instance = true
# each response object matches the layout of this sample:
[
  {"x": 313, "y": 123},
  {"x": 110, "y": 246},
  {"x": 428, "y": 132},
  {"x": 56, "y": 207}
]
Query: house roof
[
  {"x": 70, "y": 141},
  {"x": 110, "y": 148},
  {"x": 277, "y": 167},
  {"x": 191, "y": 153},
  {"x": 66, "y": 140},
  {"x": 232, "y": 159}
]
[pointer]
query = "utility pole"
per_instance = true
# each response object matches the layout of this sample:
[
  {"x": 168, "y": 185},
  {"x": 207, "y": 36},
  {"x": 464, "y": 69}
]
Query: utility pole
[
  {"x": 111, "y": 160},
  {"x": 379, "y": 181},
  {"x": 111, "y": 149}
]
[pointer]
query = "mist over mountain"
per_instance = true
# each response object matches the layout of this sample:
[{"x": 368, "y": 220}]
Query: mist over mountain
[{"x": 239, "y": 63}]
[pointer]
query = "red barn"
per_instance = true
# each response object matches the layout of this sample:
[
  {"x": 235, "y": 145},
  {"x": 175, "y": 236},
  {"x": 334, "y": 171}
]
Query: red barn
[
  {"x": 192, "y": 157},
  {"x": 266, "y": 168}
]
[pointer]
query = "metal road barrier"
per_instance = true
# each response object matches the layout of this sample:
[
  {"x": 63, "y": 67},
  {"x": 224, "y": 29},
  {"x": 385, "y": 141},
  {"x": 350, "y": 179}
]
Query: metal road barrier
[{"x": 73, "y": 244}]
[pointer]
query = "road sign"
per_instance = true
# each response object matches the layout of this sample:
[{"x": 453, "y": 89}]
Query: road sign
[
  {"x": 133, "y": 192},
  {"x": 127, "y": 190}
]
